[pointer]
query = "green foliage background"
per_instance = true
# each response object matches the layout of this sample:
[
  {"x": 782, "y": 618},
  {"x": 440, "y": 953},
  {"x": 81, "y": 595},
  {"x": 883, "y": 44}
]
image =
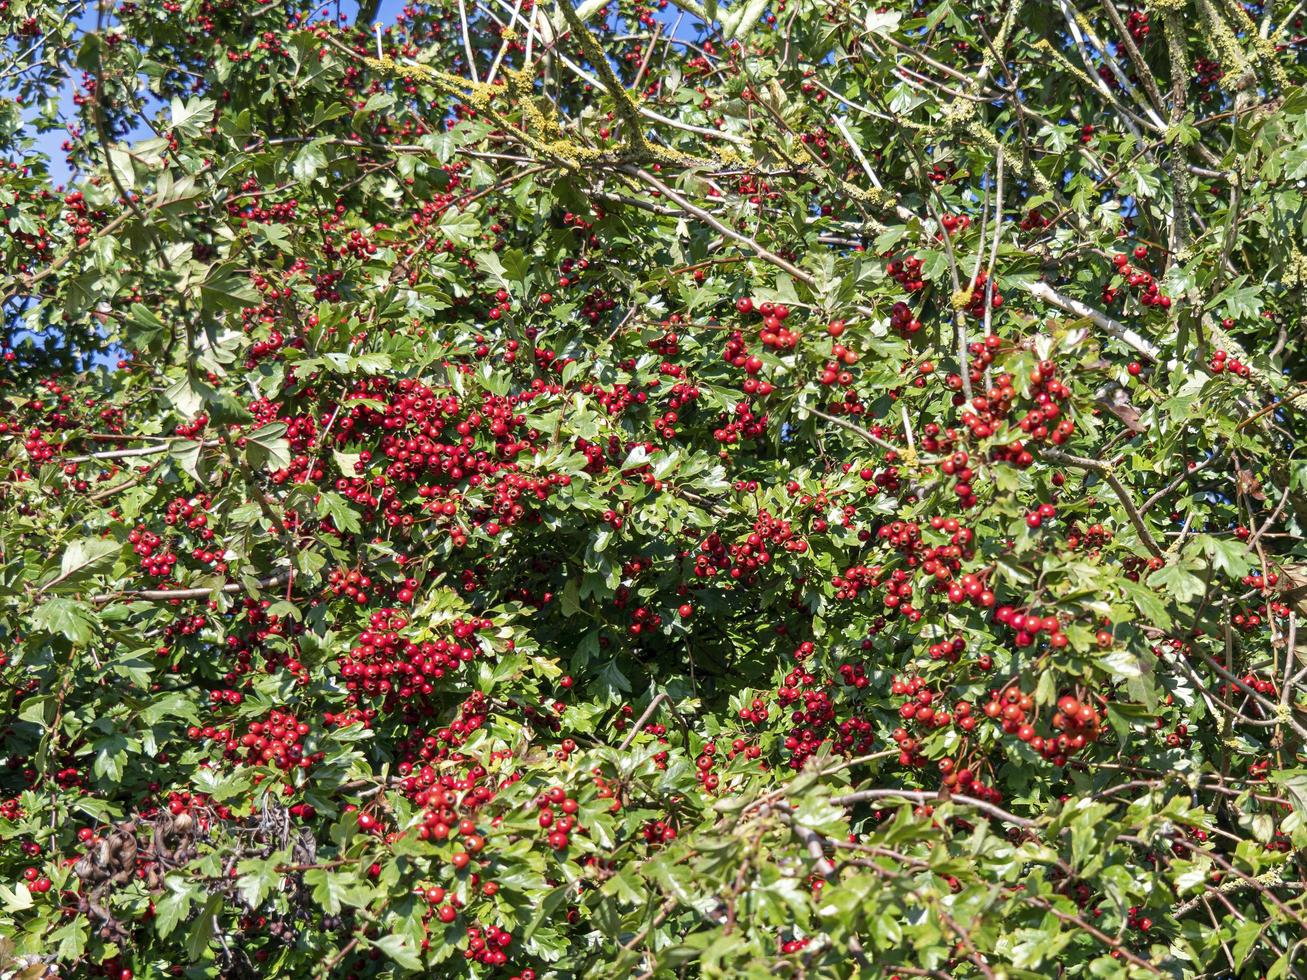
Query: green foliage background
[{"x": 436, "y": 331}]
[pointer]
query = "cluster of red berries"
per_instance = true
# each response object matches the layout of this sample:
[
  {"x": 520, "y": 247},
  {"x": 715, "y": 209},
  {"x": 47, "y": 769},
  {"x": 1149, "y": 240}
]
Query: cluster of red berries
[
  {"x": 81, "y": 220},
  {"x": 907, "y": 273},
  {"x": 1179, "y": 737},
  {"x": 898, "y": 596},
  {"x": 269, "y": 347},
  {"x": 1261, "y": 583},
  {"x": 918, "y": 703},
  {"x": 976, "y": 301},
  {"x": 1261, "y": 685},
  {"x": 387, "y": 666},
  {"x": 276, "y": 741},
  {"x": 963, "y": 779},
  {"x": 353, "y": 583},
  {"x": 835, "y": 370},
  {"x": 943, "y": 173},
  {"x": 193, "y": 428},
  {"x": 996, "y": 404},
  {"x": 414, "y": 426},
  {"x": 773, "y": 333},
  {"x": 854, "y": 675},
  {"x": 260, "y": 210},
  {"x": 1136, "y": 23},
  {"x": 736, "y": 353},
  {"x": 704, "y": 764},
  {"x": 1077, "y": 723},
  {"x": 910, "y": 756},
  {"x": 1034, "y": 221},
  {"x": 1029, "y": 625},
  {"x": 1207, "y": 73},
  {"x": 557, "y": 816},
  {"x": 1247, "y": 621},
  {"x": 744, "y": 423},
  {"x": 814, "y": 721},
  {"x": 487, "y": 944},
  {"x": 902, "y": 320},
  {"x": 1044, "y": 512},
  {"x": 1136, "y": 919},
  {"x": 855, "y": 580},
  {"x": 1140, "y": 280},
  {"x": 740, "y": 746},
  {"x": 955, "y": 223},
  {"x": 179, "y": 802},
  {"x": 145, "y": 543},
  {"x": 191, "y": 512},
  {"x": 768, "y": 533},
  {"x": 948, "y": 650},
  {"x": 958, "y": 467},
  {"x": 644, "y": 620},
  {"x": 36, "y": 881},
  {"x": 38, "y": 449},
  {"x": 1223, "y": 363},
  {"x": 658, "y": 832},
  {"x": 755, "y": 711},
  {"x": 1090, "y": 538}
]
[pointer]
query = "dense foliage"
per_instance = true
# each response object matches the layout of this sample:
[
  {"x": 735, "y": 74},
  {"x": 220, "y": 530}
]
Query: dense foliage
[{"x": 806, "y": 489}]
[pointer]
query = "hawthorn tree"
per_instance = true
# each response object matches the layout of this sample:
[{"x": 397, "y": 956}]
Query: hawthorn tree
[{"x": 537, "y": 490}]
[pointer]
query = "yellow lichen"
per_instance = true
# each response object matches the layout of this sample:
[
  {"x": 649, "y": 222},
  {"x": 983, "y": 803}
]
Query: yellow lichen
[
  {"x": 1228, "y": 50},
  {"x": 1267, "y": 57},
  {"x": 627, "y": 109}
]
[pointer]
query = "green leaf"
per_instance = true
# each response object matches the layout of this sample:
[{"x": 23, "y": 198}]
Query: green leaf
[
  {"x": 17, "y": 899},
  {"x": 258, "y": 879},
  {"x": 398, "y": 949},
  {"x": 226, "y": 288},
  {"x": 1237, "y": 300},
  {"x": 309, "y": 162},
  {"x": 203, "y": 931},
  {"x": 268, "y": 446},
  {"x": 189, "y": 117},
  {"x": 187, "y": 455},
  {"x": 882, "y": 23},
  {"x": 460, "y": 226},
  {"x": 488, "y": 262},
  {"x": 1152, "y": 609},
  {"x": 516, "y": 264},
  {"x": 67, "y": 617},
  {"x": 343, "y": 516},
  {"x": 84, "y": 557},
  {"x": 1231, "y": 557},
  {"x": 570, "y": 600},
  {"x": 175, "y": 906},
  {"x": 110, "y": 757},
  {"x": 1182, "y": 584}
]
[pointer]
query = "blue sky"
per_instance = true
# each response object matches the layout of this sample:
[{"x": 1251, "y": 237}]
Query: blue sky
[
  {"x": 386, "y": 11},
  {"x": 49, "y": 142}
]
